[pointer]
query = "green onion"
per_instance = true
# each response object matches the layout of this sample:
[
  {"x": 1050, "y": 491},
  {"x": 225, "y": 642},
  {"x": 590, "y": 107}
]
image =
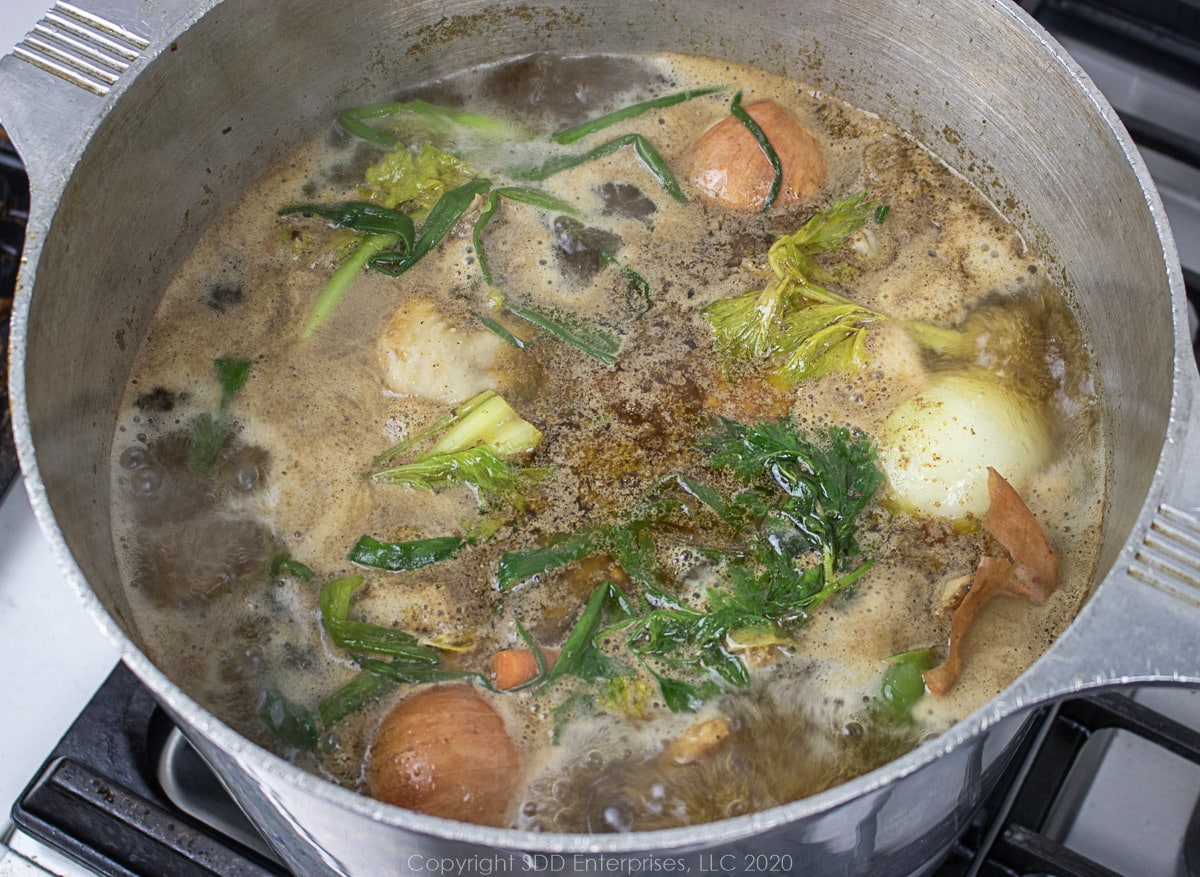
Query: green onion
[
  {"x": 525, "y": 195},
  {"x": 579, "y": 655},
  {"x": 361, "y": 636},
  {"x": 595, "y": 342},
  {"x": 284, "y": 565},
  {"x": 448, "y": 210},
  {"x": 404, "y": 556},
  {"x": 637, "y": 283},
  {"x": 760, "y": 137},
  {"x": 504, "y": 332},
  {"x": 361, "y": 216},
  {"x": 519, "y": 566},
  {"x": 421, "y": 116},
  {"x": 485, "y": 216},
  {"x": 537, "y": 198},
  {"x": 363, "y": 689},
  {"x": 291, "y": 723},
  {"x": 578, "y": 132},
  {"x": 653, "y": 162},
  {"x": 339, "y": 283},
  {"x": 414, "y": 673}
]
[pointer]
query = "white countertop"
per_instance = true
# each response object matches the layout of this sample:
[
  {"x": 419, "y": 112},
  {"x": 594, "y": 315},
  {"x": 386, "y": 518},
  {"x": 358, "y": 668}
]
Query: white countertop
[
  {"x": 17, "y": 18},
  {"x": 53, "y": 654}
]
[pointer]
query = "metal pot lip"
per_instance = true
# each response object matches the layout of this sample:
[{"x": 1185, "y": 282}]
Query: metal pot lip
[{"x": 1007, "y": 703}]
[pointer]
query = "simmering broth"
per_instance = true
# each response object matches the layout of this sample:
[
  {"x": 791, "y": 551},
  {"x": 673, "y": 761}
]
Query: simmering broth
[{"x": 595, "y": 302}]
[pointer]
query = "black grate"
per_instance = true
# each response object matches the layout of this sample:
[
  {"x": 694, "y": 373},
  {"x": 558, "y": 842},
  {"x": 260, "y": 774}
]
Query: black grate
[
  {"x": 97, "y": 799},
  {"x": 1163, "y": 35},
  {"x": 1008, "y": 838},
  {"x": 14, "y": 214}
]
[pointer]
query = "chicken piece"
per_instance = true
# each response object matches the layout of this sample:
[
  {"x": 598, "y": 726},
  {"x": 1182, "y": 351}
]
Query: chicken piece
[
  {"x": 698, "y": 741},
  {"x": 423, "y": 354},
  {"x": 729, "y": 168}
]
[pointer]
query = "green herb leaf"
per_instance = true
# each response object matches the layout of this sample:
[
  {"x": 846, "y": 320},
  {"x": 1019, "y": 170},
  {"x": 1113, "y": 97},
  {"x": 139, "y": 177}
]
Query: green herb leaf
[
  {"x": 232, "y": 374},
  {"x": 683, "y": 697},
  {"x": 792, "y": 532},
  {"x": 634, "y": 549},
  {"x": 206, "y": 436}
]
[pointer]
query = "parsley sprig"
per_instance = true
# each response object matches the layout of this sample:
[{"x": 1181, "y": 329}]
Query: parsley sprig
[{"x": 789, "y": 542}]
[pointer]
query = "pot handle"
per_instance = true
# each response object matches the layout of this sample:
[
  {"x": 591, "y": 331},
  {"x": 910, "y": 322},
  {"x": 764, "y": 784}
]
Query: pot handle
[
  {"x": 1143, "y": 623},
  {"x": 62, "y": 78}
]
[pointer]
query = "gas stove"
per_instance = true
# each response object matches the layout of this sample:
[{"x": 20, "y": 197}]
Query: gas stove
[{"x": 94, "y": 780}]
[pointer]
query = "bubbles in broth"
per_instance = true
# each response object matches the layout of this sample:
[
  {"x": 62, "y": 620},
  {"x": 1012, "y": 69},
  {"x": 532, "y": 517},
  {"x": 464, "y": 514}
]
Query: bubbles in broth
[{"x": 664, "y": 470}]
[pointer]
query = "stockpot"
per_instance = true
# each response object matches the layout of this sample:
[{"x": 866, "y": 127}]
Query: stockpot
[{"x": 141, "y": 120}]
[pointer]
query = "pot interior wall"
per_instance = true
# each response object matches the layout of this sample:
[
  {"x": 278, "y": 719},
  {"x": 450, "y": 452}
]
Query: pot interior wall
[{"x": 254, "y": 78}]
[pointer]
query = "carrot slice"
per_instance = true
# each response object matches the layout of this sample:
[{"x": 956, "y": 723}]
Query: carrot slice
[{"x": 512, "y": 667}]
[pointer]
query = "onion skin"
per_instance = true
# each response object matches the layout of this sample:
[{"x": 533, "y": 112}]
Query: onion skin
[
  {"x": 445, "y": 751},
  {"x": 729, "y": 168}
]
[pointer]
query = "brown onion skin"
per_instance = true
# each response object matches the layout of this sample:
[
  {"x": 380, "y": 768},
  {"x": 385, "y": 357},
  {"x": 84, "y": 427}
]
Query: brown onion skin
[
  {"x": 729, "y": 168},
  {"x": 445, "y": 751}
]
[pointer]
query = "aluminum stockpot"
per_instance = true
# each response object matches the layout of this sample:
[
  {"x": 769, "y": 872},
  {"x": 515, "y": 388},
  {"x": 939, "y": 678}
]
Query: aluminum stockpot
[{"x": 141, "y": 120}]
